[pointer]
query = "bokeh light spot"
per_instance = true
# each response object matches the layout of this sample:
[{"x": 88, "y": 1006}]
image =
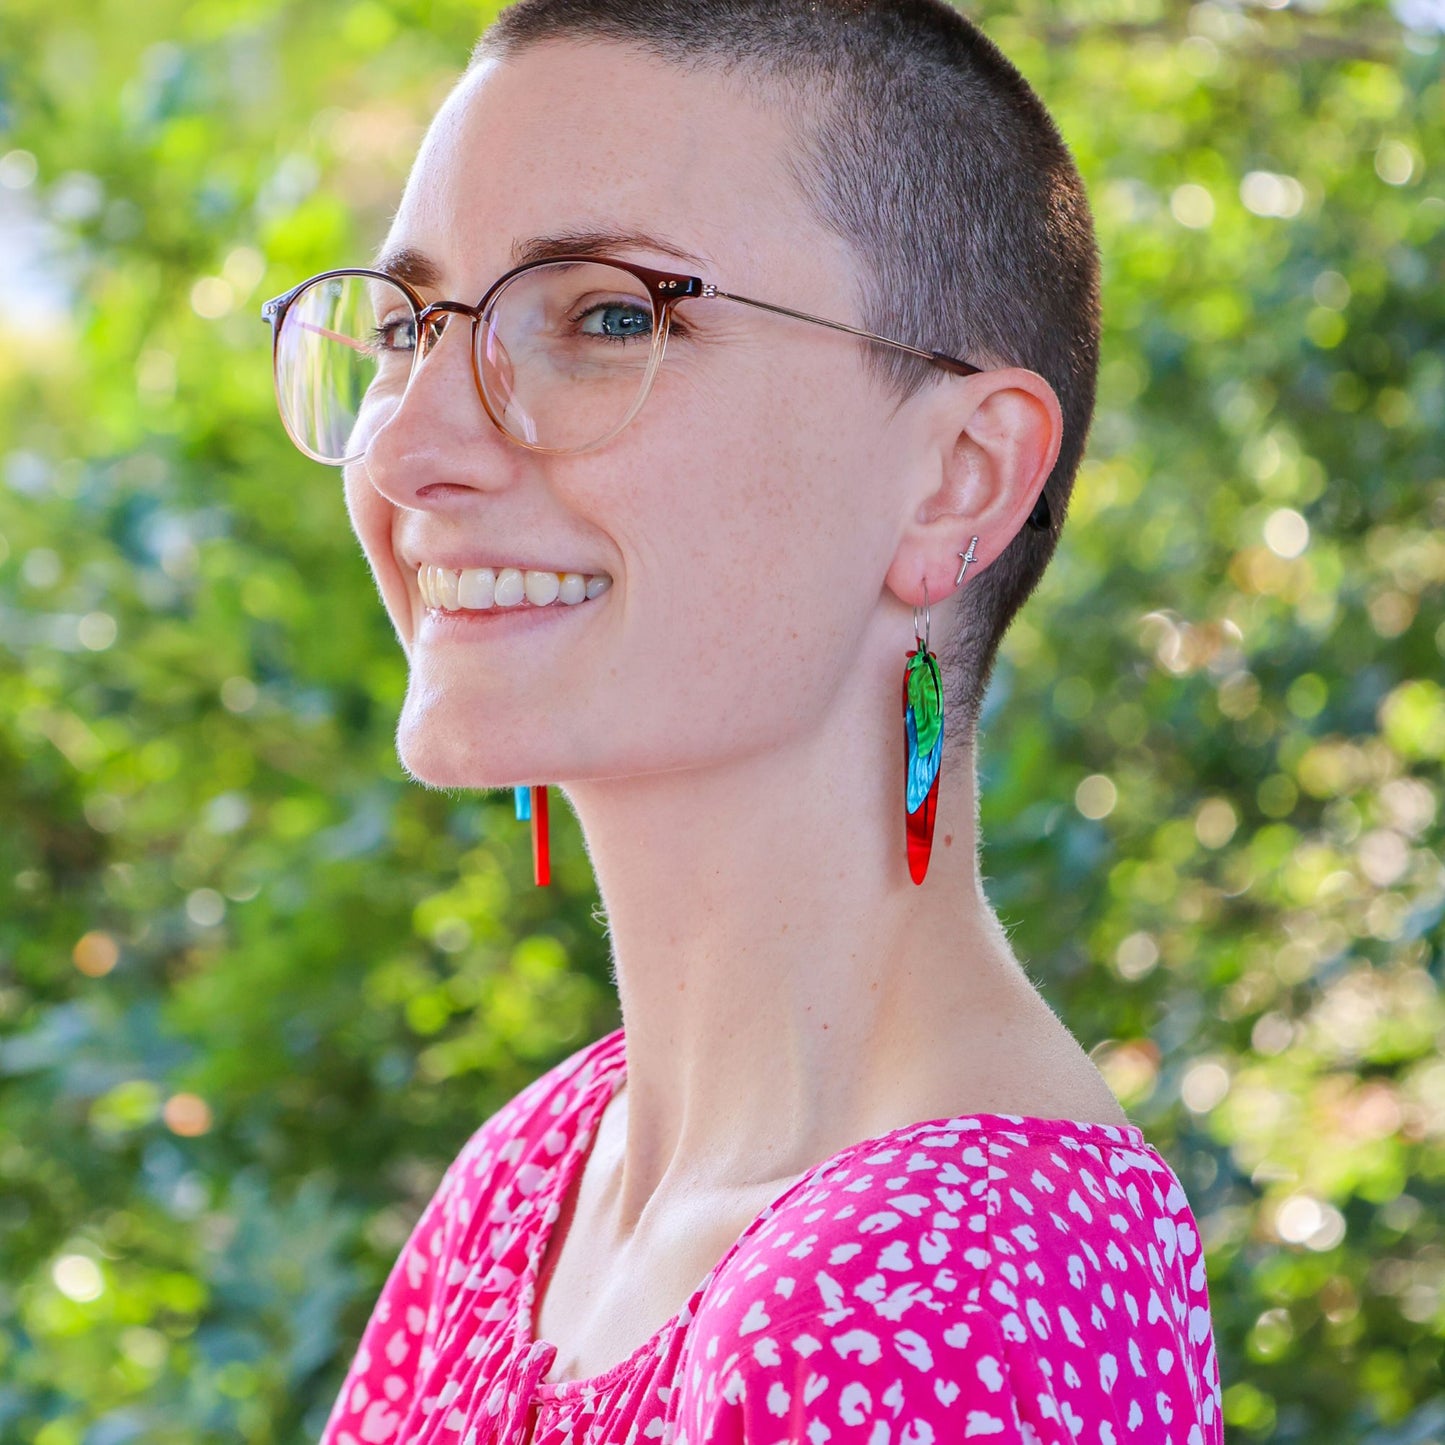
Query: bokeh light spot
[
  {"x": 1204, "y": 1086},
  {"x": 212, "y": 297},
  {"x": 96, "y": 631},
  {"x": 452, "y": 935},
  {"x": 1096, "y": 796},
  {"x": 1394, "y": 162},
  {"x": 1192, "y": 206},
  {"x": 1286, "y": 533},
  {"x": 95, "y": 954},
  {"x": 187, "y": 1115},
  {"x": 17, "y": 170},
  {"x": 78, "y": 1277},
  {"x": 1272, "y": 1034},
  {"x": 238, "y": 694},
  {"x": 1266, "y": 194},
  {"x": 1307, "y": 695},
  {"x": 1326, "y": 328},
  {"x": 1303, "y": 1219},
  {"x": 1277, "y": 795},
  {"x": 1136, "y": 956},
  {"x": 1130, "y": 1068},
  {"x": 205, "y": 907},
  {"x": 1331, "y": 290},
  {"x": 243, "y": 269},
  {"x": 1383, "y": 857},
  {"x": 144, "y": 1347}
]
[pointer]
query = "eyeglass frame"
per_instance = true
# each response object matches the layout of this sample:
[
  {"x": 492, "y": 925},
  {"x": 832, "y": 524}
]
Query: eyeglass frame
[{"x": 665, "y": 290}]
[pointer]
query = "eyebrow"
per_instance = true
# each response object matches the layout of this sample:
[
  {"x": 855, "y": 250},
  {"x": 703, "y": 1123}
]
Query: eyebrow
[
  {"x": 408, "y": 264},
  {"x": 599, "y": 243}
]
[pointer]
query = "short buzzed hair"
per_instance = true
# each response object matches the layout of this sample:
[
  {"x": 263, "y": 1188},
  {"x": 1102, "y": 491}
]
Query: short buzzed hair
[{"x": 925, "y": 150}]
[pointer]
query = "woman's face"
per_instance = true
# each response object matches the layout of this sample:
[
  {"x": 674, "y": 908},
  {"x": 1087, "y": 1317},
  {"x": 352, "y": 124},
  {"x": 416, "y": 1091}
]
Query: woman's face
[{"x": 744, "y": 517}]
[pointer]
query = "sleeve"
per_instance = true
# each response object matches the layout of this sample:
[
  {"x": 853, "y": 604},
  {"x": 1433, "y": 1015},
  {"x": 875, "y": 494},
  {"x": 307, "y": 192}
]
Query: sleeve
[
  {"x": 926, "y": 1378},
  {"x": 396, "y": 1353},
  {"x": 379, "y": 1388}
]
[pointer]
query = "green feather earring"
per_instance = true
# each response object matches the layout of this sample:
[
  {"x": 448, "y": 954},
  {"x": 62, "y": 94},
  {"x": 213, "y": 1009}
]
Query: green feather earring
[{"x": 923, "y": 746}]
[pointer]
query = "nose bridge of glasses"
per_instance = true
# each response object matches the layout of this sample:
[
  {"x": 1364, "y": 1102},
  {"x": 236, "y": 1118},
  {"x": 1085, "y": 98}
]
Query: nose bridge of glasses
[{"x": 431, "y": 320}]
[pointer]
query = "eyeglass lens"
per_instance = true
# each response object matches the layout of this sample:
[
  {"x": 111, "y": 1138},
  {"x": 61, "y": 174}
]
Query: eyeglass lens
[{"x": 565, "y": 356}]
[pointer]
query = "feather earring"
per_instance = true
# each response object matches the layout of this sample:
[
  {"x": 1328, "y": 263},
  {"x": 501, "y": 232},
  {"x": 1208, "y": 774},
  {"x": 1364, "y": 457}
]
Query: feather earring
[{"x": 923, "y": 746}]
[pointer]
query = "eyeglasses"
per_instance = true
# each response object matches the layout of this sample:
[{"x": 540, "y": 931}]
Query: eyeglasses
[{"x": 564, "y": 351}]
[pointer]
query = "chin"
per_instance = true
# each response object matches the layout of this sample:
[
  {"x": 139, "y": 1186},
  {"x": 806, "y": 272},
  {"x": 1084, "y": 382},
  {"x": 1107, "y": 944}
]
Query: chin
[
  {"x": 432, "y": 770},
  {"x": 443, "y": 750}
]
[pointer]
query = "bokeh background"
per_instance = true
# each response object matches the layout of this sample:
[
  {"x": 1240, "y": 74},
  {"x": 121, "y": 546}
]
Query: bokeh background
[{"x": 256, "y": 988}]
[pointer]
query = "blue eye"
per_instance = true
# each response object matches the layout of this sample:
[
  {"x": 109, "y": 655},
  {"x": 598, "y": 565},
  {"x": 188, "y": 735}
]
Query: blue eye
[{"x": 617, "y": 320}]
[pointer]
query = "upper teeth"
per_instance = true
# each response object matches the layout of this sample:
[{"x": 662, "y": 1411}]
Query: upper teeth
[{"x": 477, "y": 588}]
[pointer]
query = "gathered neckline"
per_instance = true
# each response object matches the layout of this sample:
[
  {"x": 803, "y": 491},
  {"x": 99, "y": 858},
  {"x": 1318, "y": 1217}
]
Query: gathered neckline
[{"x": 607, "y": 1058}]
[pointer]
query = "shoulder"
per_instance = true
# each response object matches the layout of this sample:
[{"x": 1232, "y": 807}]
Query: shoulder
[{"x": 979, "y": 1266}]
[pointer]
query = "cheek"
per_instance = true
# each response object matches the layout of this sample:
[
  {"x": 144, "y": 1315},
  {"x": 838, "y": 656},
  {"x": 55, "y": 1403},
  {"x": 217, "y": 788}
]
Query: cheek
[
  {"x": 778, "y": 480},
  {"x": 371, "y": 519},
  {"x": 759, "y": 545}
]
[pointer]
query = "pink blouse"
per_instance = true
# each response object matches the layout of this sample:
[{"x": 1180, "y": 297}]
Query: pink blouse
[{"x": 1018, "y": 1280}]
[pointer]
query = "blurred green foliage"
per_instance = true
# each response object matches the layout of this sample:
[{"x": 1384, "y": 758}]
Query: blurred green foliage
[{"x": 256, "y": 989}]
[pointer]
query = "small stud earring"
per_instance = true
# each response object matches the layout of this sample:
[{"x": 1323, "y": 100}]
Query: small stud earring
[{"x": 967, "y": 558}]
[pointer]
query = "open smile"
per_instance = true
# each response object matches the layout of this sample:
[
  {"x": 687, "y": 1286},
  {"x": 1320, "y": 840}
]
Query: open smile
[{"x": 478, "y": 589}]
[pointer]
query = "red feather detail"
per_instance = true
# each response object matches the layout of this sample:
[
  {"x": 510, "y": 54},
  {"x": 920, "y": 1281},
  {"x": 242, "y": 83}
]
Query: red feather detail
[
  {"x": 920, "y": 833},
  {"x": 919, "y": 825},
  {"x": 541, "y": 843}
]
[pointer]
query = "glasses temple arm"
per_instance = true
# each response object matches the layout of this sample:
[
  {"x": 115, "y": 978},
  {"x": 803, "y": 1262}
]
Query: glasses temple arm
[{"x": 939, "y": 358}]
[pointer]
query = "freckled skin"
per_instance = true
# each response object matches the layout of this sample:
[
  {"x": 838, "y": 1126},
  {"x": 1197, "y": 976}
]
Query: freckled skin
[{"x": 759, "y": 433}]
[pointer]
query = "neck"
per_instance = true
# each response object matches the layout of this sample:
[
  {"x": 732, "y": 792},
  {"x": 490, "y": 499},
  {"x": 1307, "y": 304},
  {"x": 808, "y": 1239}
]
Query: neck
[{"x": 786, "y": 989}]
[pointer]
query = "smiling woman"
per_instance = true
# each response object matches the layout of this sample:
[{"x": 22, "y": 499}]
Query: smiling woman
[{"x": 679, "y": 542}]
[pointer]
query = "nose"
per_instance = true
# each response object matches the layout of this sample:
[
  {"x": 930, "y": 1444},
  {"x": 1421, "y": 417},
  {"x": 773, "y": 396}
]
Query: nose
[{"x": 438, "y": 442}]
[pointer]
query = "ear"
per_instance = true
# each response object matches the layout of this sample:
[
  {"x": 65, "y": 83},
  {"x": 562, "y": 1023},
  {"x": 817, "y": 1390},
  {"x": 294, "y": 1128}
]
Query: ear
[{"x": 991, "y": 442}]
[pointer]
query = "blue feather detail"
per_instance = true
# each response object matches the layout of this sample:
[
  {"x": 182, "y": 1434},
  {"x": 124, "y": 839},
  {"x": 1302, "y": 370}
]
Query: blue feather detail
[{"x": 921, "y": 770}]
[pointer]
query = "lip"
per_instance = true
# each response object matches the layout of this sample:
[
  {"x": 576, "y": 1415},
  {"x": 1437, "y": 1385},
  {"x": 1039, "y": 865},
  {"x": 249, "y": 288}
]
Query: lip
[{"x": 436, "y": 625}]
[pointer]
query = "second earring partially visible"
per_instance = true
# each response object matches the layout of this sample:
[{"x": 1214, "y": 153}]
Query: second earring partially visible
[{"x": 531, "y": 803}]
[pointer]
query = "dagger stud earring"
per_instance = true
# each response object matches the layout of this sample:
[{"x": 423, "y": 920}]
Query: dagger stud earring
[{"x": 967, "y": 558}]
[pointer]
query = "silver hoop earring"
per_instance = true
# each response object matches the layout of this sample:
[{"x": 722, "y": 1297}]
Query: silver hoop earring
[{"x": 921, "y": 634}]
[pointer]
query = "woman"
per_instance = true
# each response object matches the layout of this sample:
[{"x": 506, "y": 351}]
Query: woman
[{"x": 649, "y": 532}]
